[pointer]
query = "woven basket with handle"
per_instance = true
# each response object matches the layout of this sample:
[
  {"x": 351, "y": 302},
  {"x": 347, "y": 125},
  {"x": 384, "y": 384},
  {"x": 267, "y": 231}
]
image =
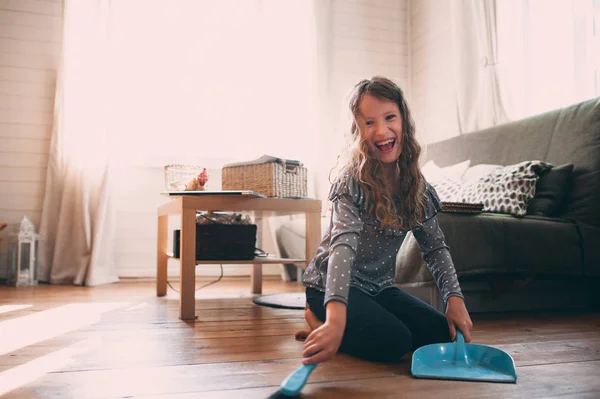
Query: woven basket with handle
[{"x": 273, "y": 177}]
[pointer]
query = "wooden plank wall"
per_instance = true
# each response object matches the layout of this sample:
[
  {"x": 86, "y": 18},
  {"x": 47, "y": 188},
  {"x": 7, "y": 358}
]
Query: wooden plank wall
[
  {"x": 432, "y": 88},
  {"x": 30, "y": 36}
]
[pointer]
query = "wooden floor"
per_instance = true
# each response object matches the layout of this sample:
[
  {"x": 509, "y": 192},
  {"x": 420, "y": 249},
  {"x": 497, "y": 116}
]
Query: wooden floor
[{"x": 121, "y": 341}]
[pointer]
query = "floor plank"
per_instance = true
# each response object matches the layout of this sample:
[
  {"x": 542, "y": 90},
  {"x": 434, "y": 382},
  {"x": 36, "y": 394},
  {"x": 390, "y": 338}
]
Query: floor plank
[{"x": 120, "y": 341}]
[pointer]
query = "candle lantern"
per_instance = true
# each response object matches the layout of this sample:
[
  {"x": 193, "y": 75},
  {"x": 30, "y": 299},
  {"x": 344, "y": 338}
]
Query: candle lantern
[{"x": 23, "y": 256}]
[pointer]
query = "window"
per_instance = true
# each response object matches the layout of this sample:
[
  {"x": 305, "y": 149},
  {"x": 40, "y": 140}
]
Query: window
[{"x": 548, "y": 53}]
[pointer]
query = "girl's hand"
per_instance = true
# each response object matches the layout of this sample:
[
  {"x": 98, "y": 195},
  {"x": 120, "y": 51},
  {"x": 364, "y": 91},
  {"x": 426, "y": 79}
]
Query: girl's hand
[
  {"x": 323, "y": 343},
  {"x": 458, "y": 317}
]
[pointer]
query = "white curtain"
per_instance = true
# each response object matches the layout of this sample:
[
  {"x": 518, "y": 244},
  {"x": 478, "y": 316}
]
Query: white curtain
[
  {"x": 475, "y": 65},
  {"x": 549, "y": 52},
  {"x": 77, "y": 225},
  {"x": 145, "y": 83}
]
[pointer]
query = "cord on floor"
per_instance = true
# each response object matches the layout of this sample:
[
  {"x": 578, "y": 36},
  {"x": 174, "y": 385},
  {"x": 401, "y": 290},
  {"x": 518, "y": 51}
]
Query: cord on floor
[{"x": 205, "y": 285}]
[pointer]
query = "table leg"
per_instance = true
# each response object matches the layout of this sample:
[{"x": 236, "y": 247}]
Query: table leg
[
  {"x": 161, "y": 256},
  {"x": 187, "y": 299},
  {"x": 313, "y": 234},
  {"x": 256, "y": 277},
  {"x": 300, "y": 273},
  {"x": 256, "y": 273}
]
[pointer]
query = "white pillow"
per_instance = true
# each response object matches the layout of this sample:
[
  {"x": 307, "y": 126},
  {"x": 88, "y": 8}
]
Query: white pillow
[
  {"x": 434, "y": 173},
  {"x": 480, "y": 171}
]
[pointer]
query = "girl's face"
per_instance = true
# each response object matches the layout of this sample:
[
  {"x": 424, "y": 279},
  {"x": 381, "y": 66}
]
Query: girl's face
[{"x": 381, "y": 128}]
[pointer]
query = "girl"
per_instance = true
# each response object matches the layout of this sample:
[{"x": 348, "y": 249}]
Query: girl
[{"x": 352, "y": 304}]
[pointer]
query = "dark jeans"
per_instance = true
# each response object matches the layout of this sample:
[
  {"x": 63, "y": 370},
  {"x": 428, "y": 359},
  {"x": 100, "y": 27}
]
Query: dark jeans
[{"x": 385, "y": 327}]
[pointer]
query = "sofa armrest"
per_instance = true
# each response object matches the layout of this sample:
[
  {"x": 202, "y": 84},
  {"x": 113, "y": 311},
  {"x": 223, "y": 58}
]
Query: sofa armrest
[{"x": 411, "y": 269}]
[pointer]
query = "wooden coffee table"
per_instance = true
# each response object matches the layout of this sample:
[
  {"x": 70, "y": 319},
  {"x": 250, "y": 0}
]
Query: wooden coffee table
[{"x": 260, "y": 208}]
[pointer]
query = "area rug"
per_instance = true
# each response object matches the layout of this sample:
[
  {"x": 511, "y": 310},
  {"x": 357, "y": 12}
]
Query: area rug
[{"x": 291, "y": 300}]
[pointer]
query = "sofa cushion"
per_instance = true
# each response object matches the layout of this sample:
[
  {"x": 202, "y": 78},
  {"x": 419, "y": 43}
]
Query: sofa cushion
[
  {"x": 500, "y": 243},
  {"x": 505, "y": 190},
  {"x": 550, "y": 191}
]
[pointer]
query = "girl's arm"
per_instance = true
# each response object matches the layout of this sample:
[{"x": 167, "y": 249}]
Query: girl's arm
[
  {"x": 435, "y": 253},
  {"x": 323, "y": 343},
  {"x": 336, "y": 313},
  {"x": 346, "y": 221}
]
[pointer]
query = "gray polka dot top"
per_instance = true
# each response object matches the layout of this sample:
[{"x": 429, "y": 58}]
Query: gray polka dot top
[{"x": 355, "y": 251}]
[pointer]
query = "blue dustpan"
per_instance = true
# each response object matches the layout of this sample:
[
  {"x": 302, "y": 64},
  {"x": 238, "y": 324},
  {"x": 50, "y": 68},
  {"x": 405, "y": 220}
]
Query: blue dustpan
[{"x": 461, "y": 361}]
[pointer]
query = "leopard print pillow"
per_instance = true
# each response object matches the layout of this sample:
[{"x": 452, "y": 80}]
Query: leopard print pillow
[
  {"x": 447, "y": 188},
  {"x": 505, "y": 190}
]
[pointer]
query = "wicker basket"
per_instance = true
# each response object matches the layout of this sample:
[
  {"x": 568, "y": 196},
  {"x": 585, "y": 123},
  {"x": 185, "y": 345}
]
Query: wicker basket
[
  {"x": 275, "y": 177},
  {"x": 177, "y": 176}
]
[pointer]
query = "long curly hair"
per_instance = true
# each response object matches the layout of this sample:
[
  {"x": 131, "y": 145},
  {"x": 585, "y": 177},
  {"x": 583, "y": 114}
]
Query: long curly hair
[{"x": 368, "y": 171}]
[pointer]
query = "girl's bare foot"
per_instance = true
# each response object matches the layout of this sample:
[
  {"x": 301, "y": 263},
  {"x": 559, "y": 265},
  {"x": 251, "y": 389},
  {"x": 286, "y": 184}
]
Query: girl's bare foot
[{"x": 313, "y": 323}]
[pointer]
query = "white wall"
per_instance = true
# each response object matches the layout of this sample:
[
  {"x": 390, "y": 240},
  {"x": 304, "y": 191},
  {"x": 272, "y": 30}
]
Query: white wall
[
  {"x": 432, "y": 88},
  {"x": 30, "y": 34}
]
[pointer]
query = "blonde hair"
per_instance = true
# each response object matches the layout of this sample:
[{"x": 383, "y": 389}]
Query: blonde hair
[{"x": 368, "y": 171}]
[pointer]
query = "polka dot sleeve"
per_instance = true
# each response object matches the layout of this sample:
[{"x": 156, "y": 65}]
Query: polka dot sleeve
[
  {"x": 346, "y": 199},
  {"x": 434, "y": 250},
  {"x": 338, "y": 274}
]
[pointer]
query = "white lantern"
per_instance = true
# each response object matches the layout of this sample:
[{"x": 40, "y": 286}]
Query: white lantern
[{"x": 23, "y": 271}]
